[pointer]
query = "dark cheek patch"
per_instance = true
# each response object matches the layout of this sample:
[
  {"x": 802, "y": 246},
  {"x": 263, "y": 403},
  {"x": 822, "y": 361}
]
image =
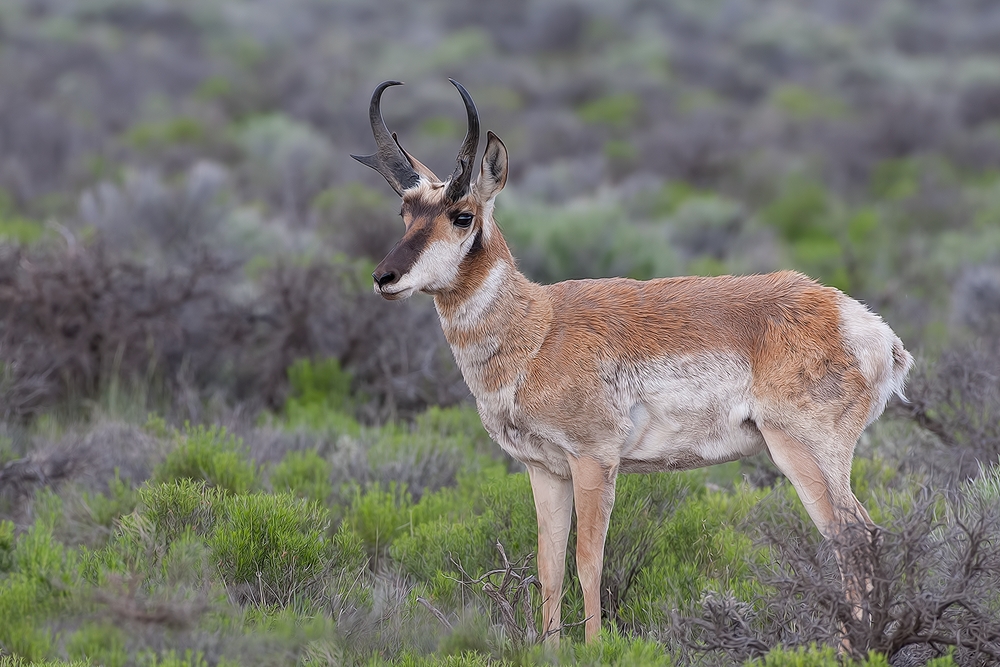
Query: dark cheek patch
[
  {"x": 474, "y": 251},
  {"x": 477, "y": 243}
]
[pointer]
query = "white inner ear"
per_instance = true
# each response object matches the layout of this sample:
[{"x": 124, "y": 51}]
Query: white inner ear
[
  {"x": 487, "y": 185},
  {"x": 492, "y": 181}
]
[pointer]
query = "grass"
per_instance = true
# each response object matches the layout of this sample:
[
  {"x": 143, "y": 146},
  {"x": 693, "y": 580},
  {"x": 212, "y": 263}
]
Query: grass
[
  {"x": 292, "y": 563},
  {"x": 209, "y": 454}
]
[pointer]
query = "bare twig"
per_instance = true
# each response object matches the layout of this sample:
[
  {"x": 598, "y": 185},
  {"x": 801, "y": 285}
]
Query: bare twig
[
  {"x": 509, "y": 590},
  {"x": 438, "y": 614}
]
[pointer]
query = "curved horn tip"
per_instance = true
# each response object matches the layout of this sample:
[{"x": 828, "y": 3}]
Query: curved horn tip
[
  {"x": 377, "y": 94},
  {"x": 460, "y": 87},
  {"x": 389, "y": 160},
  {"x": 462, "y": 176}
]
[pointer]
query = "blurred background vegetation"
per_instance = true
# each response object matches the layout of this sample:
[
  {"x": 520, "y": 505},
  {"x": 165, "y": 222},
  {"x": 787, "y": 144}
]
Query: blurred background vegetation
[{"x": 189, "y": 346}]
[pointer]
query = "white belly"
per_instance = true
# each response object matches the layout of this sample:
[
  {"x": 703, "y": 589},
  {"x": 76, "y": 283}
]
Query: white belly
[
  {"x": 674, "y": 414},
  {"x": 690, "y": 412}
]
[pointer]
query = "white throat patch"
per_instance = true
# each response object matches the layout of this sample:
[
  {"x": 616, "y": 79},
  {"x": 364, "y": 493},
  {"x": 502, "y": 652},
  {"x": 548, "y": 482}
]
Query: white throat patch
[{"x": 471, "y": 311}]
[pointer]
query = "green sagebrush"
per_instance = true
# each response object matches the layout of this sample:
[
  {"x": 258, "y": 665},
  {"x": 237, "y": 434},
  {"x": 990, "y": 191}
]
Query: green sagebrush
[
  {"x": 305, "y": 474},
  {"x": 272, "y": 546},
  {"x": 39, "y": 577},
  {"x": 209, "y": 454},
  {"x": 266, "y": 547},
  {"x": 670, "y": 537},
  {"x": 826, "y": 656}
]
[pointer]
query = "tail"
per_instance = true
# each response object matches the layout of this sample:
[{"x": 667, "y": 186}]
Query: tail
[
  {"x": 902, "y": 362},
  {"x": 892, "y": 379},
  {"x": 881, "y": 357}
]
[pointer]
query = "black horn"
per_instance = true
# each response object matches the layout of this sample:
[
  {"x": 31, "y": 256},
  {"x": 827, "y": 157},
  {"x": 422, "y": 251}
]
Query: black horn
[
  {"x": 460, "y": 180},
  {"x": 389, "y": 160}
]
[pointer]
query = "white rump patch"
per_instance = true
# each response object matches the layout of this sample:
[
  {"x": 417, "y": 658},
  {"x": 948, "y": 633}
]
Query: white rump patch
[{"x": 879, "y": 352}]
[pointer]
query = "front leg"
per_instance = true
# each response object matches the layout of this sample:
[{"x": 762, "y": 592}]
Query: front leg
[
  {"x": 594, "y": 492},
  {"x": 554, "y": 510}
]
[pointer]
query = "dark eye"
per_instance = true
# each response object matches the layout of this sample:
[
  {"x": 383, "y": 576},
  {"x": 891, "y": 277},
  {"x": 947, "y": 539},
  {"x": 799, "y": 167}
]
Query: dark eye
[{"x": 463, "y": 220}]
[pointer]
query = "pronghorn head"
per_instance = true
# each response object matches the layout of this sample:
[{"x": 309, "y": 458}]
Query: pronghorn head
[{"x": 447, "y": 222}]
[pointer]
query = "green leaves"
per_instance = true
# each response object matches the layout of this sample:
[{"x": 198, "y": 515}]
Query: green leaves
[
  {"x": 209, "y": 454},
  {"x": 305, "y": 474},
  {"x": 270, "y": 546}
]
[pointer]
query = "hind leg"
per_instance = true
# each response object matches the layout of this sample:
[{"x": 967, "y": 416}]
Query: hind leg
[
  {"x": 594, "y": 495},
  {"x": 822, "y": 480},
  {"x": 823, "y": 483}
]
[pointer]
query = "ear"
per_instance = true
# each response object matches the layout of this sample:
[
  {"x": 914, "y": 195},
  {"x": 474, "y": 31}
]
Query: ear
[
  {"x": 417, "y": 165},
  {"x": 493, "y": 175}
]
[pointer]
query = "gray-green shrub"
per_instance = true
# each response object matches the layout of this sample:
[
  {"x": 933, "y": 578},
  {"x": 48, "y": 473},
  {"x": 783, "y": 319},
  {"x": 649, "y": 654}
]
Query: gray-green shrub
[
  {"x": 39, "y": 583},
  {"x": 270, "y": 547},
  {"x": 209, "y": 454},
  {"x": 305, "y": 474}
]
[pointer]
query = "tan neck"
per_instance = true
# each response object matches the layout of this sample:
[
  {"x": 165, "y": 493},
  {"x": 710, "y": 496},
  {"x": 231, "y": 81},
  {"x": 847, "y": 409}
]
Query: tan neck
[{"x": 496, "y": 321}]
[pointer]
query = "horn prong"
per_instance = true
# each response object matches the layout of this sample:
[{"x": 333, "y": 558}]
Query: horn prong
[
  {"x": 462, "y": 177},
  {"x": 388, "y": 160}
]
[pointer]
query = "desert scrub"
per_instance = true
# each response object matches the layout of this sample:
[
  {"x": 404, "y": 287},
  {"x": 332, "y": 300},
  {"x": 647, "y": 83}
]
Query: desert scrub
[
  {"x": 209, "y": 454},
  {"x": 267, "y": 548},
  {"x": 189, "y": 658},
  {"x": 271, "y": 547},
  {"x": 805, "y": 104},
  {"x": 13, "y": 227},
  {"x": 826, "y": 656},
  {"x": 320, "y": 382},
  {"x": 319, "y": 398},
  {"x": 378, "y": 515},
  {"x": 985, "y": 488},
  {"x": 933, "y": 584},
  {"x": 305, "y": 474},
  {"x": 466, "y": 659},
  {"x": 591, "y": 239},
  {"x": 157, "y": 136},
  {"x": 38, "y": 583},
  {"x": 612, "y": 649},
  {"x": 670, "y": 539},
  {"x": 616, "y": 111},
  {"x": 462, "y": 648},
  {"x": 7, "y": 543},
  {"x": 436, "y": 451},
  {"x": 18, "y": 661},
  {"x": 19, "y": 230},
  {"x": 168, "y": 515},
  {"x": 101, "y": 511},
  {"x": 98, "y": 643},
  {"x": 433, "y": 453},
  {"x": 494, "y": 508},
  {"x": 181, "y": 505},
  {"x": 381, "y": 515}
]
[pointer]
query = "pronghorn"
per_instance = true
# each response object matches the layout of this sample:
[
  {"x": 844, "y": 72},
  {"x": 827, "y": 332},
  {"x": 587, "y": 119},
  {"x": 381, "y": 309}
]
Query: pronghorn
[{"x": 586, "y": 379}]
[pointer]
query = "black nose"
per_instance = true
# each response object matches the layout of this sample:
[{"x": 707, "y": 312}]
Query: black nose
[{"x": 386, "y": 278}]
